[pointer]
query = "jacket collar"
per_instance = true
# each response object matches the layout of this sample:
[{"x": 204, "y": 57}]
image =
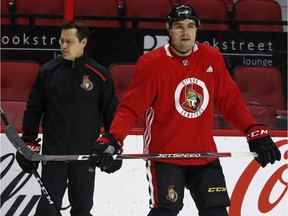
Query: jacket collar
[{"x": 77, "y": 62}]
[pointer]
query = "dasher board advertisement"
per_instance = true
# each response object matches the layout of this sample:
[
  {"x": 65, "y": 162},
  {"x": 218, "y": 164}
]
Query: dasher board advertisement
[{"x": 252, "y": 189}]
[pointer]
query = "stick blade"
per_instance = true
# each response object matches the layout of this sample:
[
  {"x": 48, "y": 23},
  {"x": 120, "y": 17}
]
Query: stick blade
[{"x": 18, "y": 143}]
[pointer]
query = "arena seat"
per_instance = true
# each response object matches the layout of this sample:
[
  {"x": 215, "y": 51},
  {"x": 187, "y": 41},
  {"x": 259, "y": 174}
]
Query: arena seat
[
  {"x": 262, "y": 114},
  {"x": 42, "y": 7},
  {"x": 150, "y": 9},
  {"x": 122, "y": 75},
  {"x": 255, "y": 10},
  {"x": 14, "y": 111},
  {"x": 261, "y": 88},
  {"x": 210, "y": 9},
  {"x": 105, "y": 8},
  {"x": 5, "y": 10},
  {"x": 17, "y": 79},
  {"x": 260, "y": 85}
]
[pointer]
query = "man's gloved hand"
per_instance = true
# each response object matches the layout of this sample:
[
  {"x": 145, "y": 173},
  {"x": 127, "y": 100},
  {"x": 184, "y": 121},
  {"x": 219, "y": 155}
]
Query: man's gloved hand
[
  {"x": 26, "y": 165},
  {"x": 115, "y": 165},
  {"x": 101, "y": 154},
  {"x": 260, "y": 142}
]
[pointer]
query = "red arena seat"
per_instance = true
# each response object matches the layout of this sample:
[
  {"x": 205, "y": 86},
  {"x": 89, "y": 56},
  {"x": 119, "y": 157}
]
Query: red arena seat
[
  {"x": 5, "y": 10},
  {"x": 260, "y": 85},
  {"x": 33, "y": 7},
  {"x": 150, "y": 9},
  {"x": 105, "y": 8},
  {"x": 264, "y": 10},
  {"x": 14, "y": 111},
  {"x": 122, "y": 74},
  {"x": 262, "y": 114},
  {"x": 210, "y": 9},
  {"x": 17, "y": 79}
]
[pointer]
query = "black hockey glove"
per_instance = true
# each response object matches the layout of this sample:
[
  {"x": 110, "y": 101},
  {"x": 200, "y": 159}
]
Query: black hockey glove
[
  {"x": 102, "y": 151},
  {"x": 26, "y": 165},
  {"x": 114, "y": 166},
  {"x": 260, "y": 142}
]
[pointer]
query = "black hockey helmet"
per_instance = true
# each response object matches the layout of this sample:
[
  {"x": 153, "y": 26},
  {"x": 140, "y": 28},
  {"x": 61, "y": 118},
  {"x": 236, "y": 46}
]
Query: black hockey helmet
[{"x": 182, "y": 12}]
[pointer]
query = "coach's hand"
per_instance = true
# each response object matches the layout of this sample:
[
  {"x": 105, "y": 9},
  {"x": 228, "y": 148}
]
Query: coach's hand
[
  {"x": 101, "y": 154},
  {"x": 27, "y": 165},
  {"x": 260, "y": 142}
]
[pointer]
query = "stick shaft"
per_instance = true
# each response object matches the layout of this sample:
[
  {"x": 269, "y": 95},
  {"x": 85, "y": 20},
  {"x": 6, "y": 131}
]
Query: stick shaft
[
  {"x": 39, "y": 157},
  {"x": 45, "y": 192}
]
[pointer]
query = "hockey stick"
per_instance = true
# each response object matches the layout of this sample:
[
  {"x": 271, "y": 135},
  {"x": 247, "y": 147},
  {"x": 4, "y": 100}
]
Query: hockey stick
[
  {"x": 16, "y": 140},
  {"x": 34, "y": 171},
  {"x": 54, "y": 209}
]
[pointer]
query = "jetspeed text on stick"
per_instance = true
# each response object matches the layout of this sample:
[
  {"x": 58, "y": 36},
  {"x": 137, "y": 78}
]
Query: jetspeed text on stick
[{"x": 180, "y": 155}]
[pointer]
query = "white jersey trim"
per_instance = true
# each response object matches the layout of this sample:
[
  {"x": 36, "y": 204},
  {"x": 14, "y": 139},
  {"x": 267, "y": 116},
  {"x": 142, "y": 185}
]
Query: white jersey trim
[
  {"x": 149, "y": 117},
  {"x": 166, "y": 47}
]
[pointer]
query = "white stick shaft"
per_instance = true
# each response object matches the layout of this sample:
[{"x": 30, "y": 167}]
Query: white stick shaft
[{"x": 244, "y": 154}]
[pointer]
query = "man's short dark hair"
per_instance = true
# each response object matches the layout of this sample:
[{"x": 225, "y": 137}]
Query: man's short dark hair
[{"x": 82, "y": 29}]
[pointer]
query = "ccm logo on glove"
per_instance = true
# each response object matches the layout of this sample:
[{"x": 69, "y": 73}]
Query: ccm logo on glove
[
  {"x": 260, "y": 142},
  {"x": 35, "y": 148},
  {"x": 258, "y": 131}
]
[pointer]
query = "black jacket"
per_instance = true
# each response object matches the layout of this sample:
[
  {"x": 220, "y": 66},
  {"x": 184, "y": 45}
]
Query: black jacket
[{"x": 72, "y": 100}]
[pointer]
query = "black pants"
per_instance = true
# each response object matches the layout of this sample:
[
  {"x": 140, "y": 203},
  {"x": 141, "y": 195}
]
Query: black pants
[
  {"x": 167, "y": 182},
  {"x": 57, "y": 176}
]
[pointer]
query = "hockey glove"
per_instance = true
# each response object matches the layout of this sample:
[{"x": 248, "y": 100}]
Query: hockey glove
[
  {"x": 26, "y": 165},
  {"x": 102, "y": 151},
  {"x": 260, "y": 142},
  {"x": 114, "y": 166}
]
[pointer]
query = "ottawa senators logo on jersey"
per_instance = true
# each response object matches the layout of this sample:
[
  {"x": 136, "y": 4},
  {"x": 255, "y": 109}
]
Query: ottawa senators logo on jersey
[
  {"x": 191, "y": 97},
  {"x": 172, "y": 194},
  {"x": 193, "y": 100},
  {"x": 86, "y": 84}
]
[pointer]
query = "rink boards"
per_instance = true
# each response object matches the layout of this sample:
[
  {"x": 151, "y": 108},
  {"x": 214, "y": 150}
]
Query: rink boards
[{"x": 253, "y": 190}]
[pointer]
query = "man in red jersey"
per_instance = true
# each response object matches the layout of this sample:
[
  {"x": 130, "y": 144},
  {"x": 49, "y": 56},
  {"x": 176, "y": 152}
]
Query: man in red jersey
[{"x": 176, "y": 87}]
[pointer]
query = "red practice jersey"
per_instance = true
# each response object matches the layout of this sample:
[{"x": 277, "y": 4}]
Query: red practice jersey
[{"x": 177, "y": 96}]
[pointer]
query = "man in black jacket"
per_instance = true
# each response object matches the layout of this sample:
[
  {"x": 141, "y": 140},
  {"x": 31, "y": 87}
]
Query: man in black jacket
[{"x": 73, "y": 97}]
